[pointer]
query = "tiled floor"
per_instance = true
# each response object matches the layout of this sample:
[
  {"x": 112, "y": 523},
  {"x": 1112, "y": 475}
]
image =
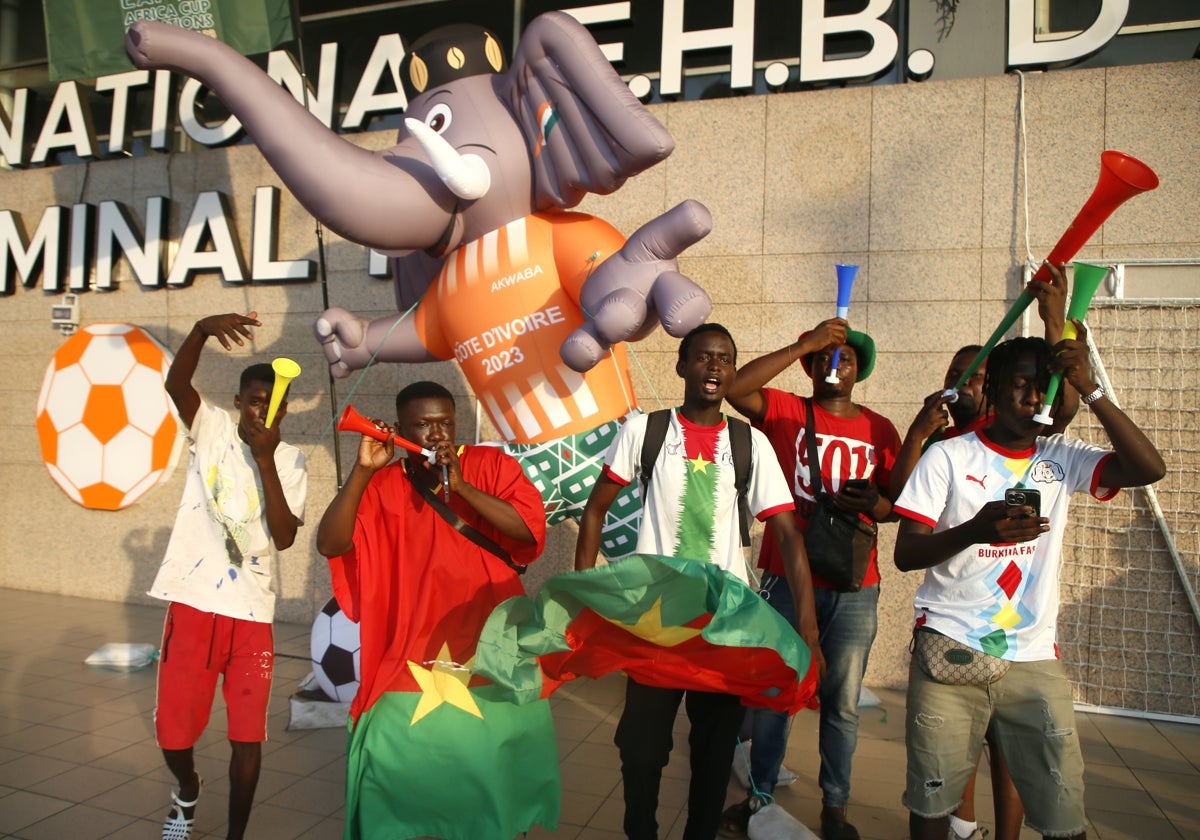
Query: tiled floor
[{"x": 78, "y": 760}]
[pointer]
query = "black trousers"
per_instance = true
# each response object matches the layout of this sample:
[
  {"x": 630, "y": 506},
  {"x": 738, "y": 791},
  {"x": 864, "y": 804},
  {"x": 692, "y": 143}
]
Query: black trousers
[{"x": 644, "y": 740}]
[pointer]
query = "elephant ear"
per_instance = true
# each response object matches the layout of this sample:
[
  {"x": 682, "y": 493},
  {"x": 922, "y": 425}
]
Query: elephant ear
[{"x": 586, "y": 131}]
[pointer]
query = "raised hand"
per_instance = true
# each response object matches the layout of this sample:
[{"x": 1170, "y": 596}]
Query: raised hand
[
  {"x": 1072, "y": 358},
  {"x": 376, "y": 454},
  {"x": 829, "y": 333},
  {"x": 230, "y": 327},
  {"x": 1052, "y": 300},
  {"x": 261, "y": 439},
  {"x": 933, "y": 417}
]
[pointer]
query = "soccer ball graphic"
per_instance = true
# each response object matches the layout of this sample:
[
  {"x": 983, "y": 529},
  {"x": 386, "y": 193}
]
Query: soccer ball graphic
[
  {"x": 335, "y": 653},
  {"x": 107, "y": 429}
]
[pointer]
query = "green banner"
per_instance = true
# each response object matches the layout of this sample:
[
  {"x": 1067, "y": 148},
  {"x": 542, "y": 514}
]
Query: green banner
[{"x": 86, "y": 38}]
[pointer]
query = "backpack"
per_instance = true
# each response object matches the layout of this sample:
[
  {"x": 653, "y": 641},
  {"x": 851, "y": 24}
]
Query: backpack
[{"x": 739, "y": 445}]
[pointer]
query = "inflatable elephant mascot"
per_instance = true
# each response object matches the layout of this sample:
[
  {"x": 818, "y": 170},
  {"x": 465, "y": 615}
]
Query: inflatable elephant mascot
[{"x": 490, "y": 268}]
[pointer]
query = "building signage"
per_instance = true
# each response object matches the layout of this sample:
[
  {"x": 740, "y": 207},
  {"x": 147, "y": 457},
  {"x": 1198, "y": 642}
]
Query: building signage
[{"x": 735, "y": 46}]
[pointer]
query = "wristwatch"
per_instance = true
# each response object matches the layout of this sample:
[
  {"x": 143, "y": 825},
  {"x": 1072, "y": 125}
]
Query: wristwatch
[{"x": 1088, "y": 399}]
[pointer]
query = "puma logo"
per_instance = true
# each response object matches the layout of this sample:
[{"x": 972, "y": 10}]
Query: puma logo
[{"x": 979, "y": 481}]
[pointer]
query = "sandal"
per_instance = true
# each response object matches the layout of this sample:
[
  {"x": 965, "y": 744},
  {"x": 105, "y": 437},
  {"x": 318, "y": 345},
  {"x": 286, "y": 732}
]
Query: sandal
[
  {"x": 735, "y": 820},
  {"x": 177, "y": 825}
]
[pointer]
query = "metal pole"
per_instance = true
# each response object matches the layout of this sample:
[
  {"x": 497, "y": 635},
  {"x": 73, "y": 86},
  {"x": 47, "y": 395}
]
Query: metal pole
[{"x": 321, "y": 267}]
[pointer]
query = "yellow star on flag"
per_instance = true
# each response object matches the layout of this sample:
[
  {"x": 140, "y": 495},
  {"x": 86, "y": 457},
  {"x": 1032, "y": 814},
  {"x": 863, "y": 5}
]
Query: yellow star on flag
[
  {"x": 699, "y": 464},
  {"x": 649, "y": 627},
  {"x": 443, "y": 682}
]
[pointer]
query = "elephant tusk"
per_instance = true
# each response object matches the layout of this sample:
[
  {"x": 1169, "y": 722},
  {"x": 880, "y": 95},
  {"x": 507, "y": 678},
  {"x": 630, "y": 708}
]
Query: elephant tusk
[{"x": 467, "y": 176}]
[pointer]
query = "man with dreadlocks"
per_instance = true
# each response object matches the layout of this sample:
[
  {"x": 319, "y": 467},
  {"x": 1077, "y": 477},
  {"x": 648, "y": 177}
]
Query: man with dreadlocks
[
  {"x": 968, "y": 409},
  {"x": 985, "y": 655}
]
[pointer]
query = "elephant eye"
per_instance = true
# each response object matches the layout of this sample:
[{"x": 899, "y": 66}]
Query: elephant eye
[{"x": 439, "y": 117}]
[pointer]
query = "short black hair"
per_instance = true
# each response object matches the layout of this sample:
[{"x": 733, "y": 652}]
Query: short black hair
[
  {"x": 261, "y": 372},
  {"x": 967, "y": 348},
  {"x": 1002, "y": 361},
  {"x": 685, "y": 343},
  {"x": 425, "y": 389}
]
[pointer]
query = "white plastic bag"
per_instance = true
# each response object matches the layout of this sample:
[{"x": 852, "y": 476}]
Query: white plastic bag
[
  {"x": 771, "y": 822},
  {"x": 122, "y": 656}
]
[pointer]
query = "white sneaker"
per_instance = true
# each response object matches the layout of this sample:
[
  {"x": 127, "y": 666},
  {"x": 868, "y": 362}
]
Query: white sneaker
[{"x": 980, "y": 833}]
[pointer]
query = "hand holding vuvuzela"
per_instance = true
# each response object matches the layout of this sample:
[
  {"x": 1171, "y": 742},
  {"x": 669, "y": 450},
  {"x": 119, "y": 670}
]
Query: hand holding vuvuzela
[
  {"x": 285, "y": 371},
  {"x": 1087, "y": 280},
  {"x": 1122, "y": 177},
  {"x": 352, "y": 421},
  {"x": 845, "y": 281}
]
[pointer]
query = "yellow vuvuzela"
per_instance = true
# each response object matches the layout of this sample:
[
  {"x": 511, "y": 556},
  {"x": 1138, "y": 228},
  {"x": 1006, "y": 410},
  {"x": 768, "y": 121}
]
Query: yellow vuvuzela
[{"x": 285, "y": 371}]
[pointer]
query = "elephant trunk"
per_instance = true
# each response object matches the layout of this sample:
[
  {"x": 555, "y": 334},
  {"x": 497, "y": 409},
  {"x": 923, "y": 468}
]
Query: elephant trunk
[{"x": 383, "y": 200}]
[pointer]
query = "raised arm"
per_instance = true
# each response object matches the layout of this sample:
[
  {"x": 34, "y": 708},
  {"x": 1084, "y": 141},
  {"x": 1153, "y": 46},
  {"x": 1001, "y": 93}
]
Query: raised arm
[
  {"x": 933, "y": 417},
  {"x": 227, "y": 328},
  {"x": 335, "y": 534},
  {"x": 746, "y": 395},
  {"x": 1052, "y": 309},
  {"x": 1136, "y": 461}
]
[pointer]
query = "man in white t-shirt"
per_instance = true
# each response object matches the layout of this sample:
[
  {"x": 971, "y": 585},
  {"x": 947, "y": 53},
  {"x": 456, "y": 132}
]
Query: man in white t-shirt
[
  {"x": 691, "y": 511},
  {"x": 243, "y": 500},
  {"x": 991, "y": 587}
]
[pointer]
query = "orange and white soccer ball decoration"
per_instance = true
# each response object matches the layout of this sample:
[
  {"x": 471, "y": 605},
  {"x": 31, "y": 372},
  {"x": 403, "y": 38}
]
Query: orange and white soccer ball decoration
[{"x": 107, "y": 428}]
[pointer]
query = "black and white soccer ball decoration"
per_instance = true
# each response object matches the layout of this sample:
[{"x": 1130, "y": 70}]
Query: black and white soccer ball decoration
[{"x": 335, "y": 653}]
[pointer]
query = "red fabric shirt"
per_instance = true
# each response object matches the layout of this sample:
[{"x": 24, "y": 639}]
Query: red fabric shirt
[
  {"x": 415, "y": 584},
  {"x": 848, "y": 447}
]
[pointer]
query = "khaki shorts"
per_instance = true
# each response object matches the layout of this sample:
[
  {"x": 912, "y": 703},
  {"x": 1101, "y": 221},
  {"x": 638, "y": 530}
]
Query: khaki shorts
[{"x": 1028, "y": 715}]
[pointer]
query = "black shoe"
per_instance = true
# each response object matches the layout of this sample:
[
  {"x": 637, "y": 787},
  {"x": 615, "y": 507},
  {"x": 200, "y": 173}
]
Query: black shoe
[
  {"x": 735, "y": 821},
  {"x": 833, "y": 828}
]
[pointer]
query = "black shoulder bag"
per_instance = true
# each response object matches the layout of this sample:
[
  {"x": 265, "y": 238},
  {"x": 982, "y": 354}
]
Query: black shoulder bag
[
  {"x": 838, "y": 542},
  {"x": 456, "y": 522}
]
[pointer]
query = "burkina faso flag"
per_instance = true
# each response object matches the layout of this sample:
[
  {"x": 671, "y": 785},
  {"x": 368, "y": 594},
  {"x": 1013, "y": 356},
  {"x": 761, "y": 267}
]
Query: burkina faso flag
[
  {"x": 664, "y": 621},
  {"x": 450, "y": 762}
]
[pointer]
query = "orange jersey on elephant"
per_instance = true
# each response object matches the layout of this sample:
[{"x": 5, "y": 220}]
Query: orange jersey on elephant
[{"x": 503, "y": 304}]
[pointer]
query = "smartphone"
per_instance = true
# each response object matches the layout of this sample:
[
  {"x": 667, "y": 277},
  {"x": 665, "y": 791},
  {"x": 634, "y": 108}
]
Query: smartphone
[
  {"x": 856, "y": 483},
  {"x": 1021, "y": 497}
]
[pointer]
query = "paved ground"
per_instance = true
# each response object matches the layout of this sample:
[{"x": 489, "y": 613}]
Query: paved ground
[{"x": 78, "y": 759}]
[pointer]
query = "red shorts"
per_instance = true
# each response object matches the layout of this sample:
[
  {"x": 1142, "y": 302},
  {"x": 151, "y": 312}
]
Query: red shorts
[{"x": 197, "y": 648}]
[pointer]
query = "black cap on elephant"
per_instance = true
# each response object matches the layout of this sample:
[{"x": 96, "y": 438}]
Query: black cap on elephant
[{"x": 449, "y": 53}]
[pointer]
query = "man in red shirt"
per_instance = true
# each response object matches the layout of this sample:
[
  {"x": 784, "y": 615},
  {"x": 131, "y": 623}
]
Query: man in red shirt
[
  {"x": 853, "y": 443},
  {"x": 420, "y": 554}
]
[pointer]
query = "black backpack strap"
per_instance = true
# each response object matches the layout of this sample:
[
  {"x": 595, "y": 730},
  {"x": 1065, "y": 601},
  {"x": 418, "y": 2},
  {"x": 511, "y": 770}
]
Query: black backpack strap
[
  {"x": 742, "y": 448},
  {"x": 810, "y": 434},
  {"x": 656, "y": 432}
]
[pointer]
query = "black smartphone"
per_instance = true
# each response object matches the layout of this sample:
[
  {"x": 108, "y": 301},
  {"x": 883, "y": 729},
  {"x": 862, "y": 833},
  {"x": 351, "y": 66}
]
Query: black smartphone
[
  {"x": 1021, "y": 497},
  {"x": 856, "y": 483}
]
